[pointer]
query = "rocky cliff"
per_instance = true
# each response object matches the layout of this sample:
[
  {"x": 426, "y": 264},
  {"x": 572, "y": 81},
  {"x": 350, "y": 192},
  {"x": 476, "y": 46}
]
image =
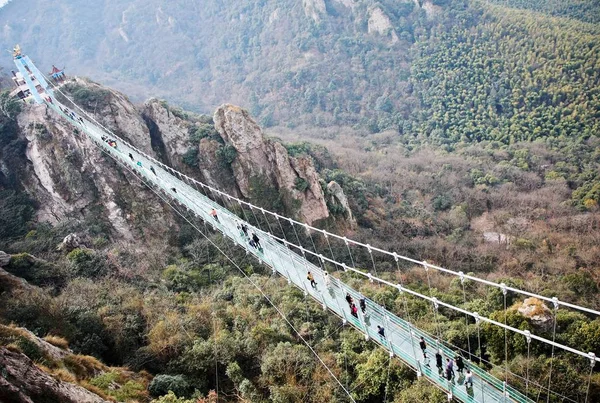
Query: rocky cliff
[
  {"x": 21, "y": 381},
  {"x": 258, "y": 157},
  {"x": 70, "y": 177}
]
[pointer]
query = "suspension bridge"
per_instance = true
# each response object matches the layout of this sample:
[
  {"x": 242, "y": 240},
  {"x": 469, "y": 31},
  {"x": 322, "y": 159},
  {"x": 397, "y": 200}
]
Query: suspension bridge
[{"x": 283, "y": 252}]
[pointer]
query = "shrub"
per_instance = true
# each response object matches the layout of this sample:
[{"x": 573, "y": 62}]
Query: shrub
[
  {"x": 190, "y": 157},
  {"x": 201, "y": 131},
  {"x": 57, "y": 341},
  {"x": 84, "y": 366},
  {"x": 441, "y": 203},
  {"x": 172, "y": 398},
  {"x": 16, "y": 209},
  {"x": 226, "y": 155},
  {"x": 300, "y": 184},
  {"x": 87, "y": 263},
  {"x": 163, "y": 384},
  {"x": 64, "y": 375}
]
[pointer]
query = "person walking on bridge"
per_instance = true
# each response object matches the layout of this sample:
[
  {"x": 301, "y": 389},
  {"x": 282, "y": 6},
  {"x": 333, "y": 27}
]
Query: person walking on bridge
[
  {"x": 153, "y": 171},
  {"x": 469, "y": 379},
  {"x": 423, "y": 346},
  {"x": 449, "y": 369},
  {"x": 381, "y": 332},
  {"x": 349, "y": 299},
  {"x": 354, "y": 311},
  {"x": 326, "y": 279},
  {"x": 363, "y": 305},
  {"x": 311, "y": 278},
  {"x": 439, "y": 361},
  {"x": 213, "y": 214},
  {"x": 256, "y": 241},
  {"x": 131, "y": 157},
  {"x": 460, "y": 364}
]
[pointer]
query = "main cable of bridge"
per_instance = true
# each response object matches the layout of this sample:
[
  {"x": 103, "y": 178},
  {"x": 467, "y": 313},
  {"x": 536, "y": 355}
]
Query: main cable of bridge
[
  {"x": 395, "y": 255},
  {"x": 346, "y": 240},
  {"x": 267, "y": 234},
  {"x": 283, "y": 316}
]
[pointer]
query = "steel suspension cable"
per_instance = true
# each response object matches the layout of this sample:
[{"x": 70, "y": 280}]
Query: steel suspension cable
[
  {"x": 237, "y": 266},
  {"x": 552, "y": 345},
  {"x": 552, "y": 356},
  {"x": 462, "y": 282},
  {"x": 434, "y": 307},
  {"x": 504, "y": 292},
  {"x": 263, "y": 294},
  {"x": 528, "y": 339},
  {"x": 592, "y": 365},
  {"x": 480, "y": 354},
  {"x": 486, "y": 282}
]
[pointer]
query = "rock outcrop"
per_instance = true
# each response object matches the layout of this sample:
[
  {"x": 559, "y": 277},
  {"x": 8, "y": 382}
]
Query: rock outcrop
[
  {"x": 71, "y": 242},
  {"x": 258, "y": 157},
  {"x": 22, "y": 382},
  {"x": 380, "y": 23},
  {"x": 4, "y": 259},
  {"x": 314, "y": 9},
  {"x": 537, "y": 312},
  {"x": 337, "y": 195},
  {"x": 168, "y": 132}
]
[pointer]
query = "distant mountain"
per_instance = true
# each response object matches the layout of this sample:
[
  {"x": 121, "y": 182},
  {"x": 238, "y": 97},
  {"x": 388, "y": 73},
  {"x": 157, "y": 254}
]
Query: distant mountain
[{"x": 380, "y": 64}]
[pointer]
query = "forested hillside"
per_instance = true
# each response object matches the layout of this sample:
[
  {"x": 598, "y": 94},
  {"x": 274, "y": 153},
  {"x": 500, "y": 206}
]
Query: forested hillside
[{"x": 464, "y": 133}]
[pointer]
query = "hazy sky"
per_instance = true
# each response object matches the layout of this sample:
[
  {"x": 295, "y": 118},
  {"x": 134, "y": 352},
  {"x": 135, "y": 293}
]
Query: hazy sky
[{"x": 3, "y": 2}]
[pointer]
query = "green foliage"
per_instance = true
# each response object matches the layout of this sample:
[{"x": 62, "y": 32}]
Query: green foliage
[
  {"x": 30, "y": 349},
  {"x": 587, "y": 11},
  {"x": 441, "y": 203},
  {"x": 226, "y": 155},
  {"x": 9, "y": 107},
  {"x": 300, "y": 184},
  {"x": 375, "y": 373},
  {"x": 16, "y": 210},
  {"x": 36, "y": 271},
  {"x": 287, "y": 363},
  {"x": 192, "y": 278},
  {"x": 89, "y": 97},
  {"x": 200, "y": 131},
  {"x": 172, "y": 398},
  {"x": 163, "y": 384},
  {"x": 470, "y": 96},
  {"x": 421, "y": 391},
  {"x": 190, "y": 157},
  {"x": 88, "y": 263},
  {"x": 588, "y": 194}
]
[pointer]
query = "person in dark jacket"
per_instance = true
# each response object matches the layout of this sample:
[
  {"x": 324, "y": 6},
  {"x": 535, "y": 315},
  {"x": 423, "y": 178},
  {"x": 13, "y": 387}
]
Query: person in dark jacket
[
  {"x": 423, "y": 346},
  {"x": 439, "y": 361},
  {"x": 460, "y": 364}
]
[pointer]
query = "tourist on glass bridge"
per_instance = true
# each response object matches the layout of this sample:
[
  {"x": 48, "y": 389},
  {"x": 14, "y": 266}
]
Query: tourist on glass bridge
[
  {"x": 363, "y": 305},
  {"x": 213, "y": 214},
  {"x": 439, "y": 361},
  {"x": 326, "y": 279},
  {"x": 469, "y": 379},
  {"x": 311, "y": 278},
  {"x": 349, "y": 299},
  {"x": 423, "y": 346},
  {"x": 381, "y": 331},
  {"x": 256, "y": 241},
  {"x": 460, "y": 364}
]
